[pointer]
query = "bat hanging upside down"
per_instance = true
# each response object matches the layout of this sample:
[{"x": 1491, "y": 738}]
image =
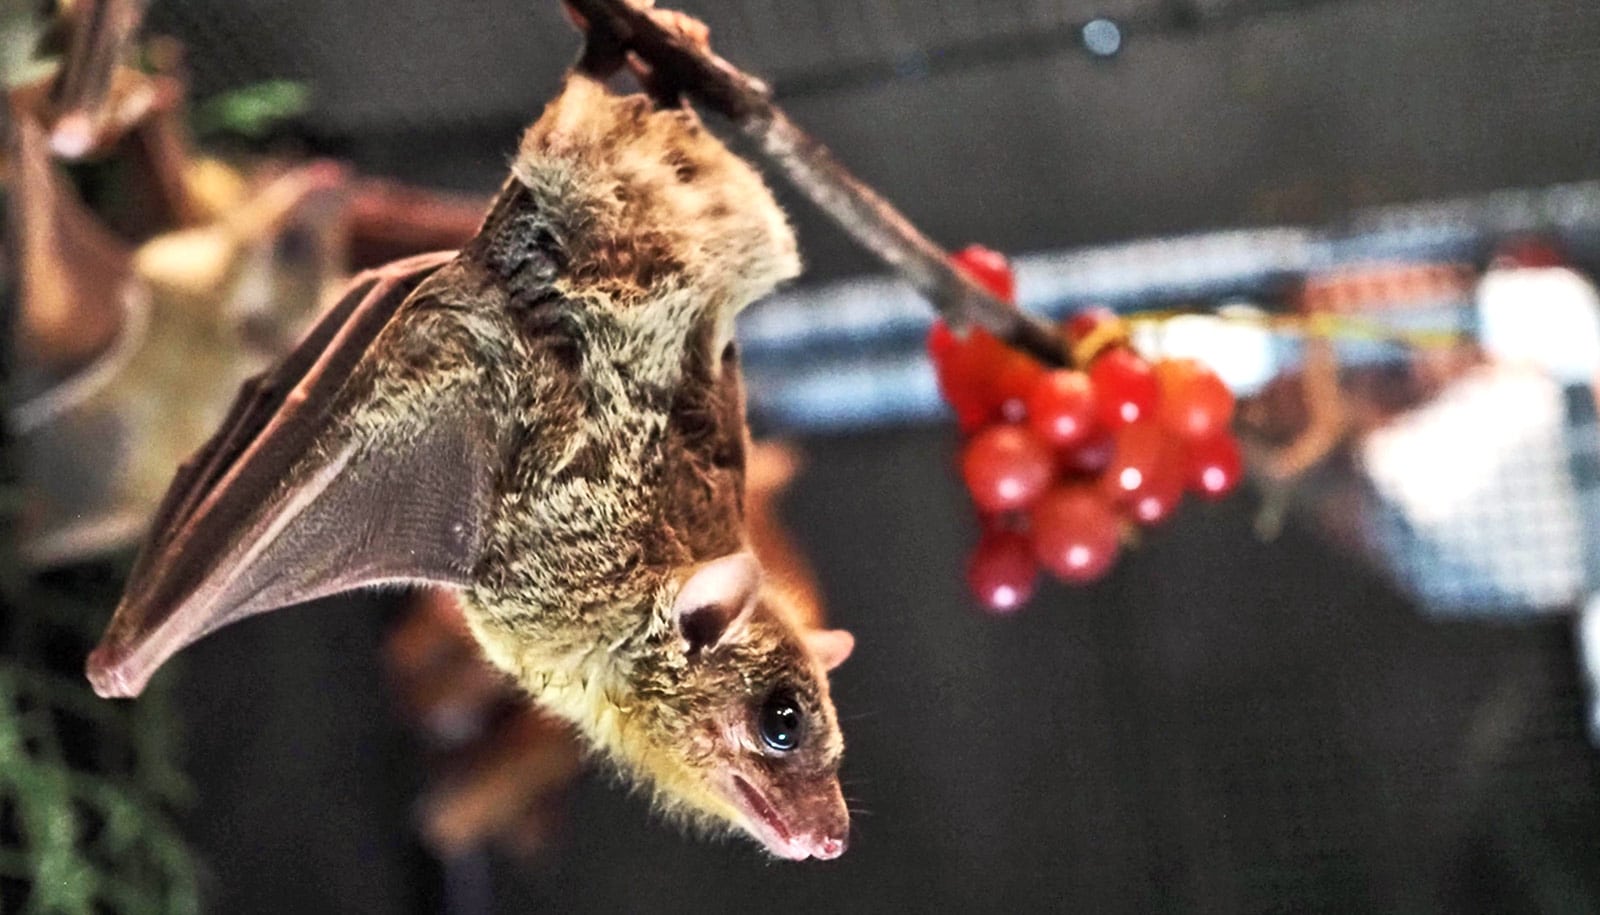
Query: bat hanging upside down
[{"x": 550, "y": 422}]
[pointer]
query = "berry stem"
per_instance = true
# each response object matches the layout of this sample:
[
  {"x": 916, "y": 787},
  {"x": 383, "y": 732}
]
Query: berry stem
[{"x": 681, "y": 64}]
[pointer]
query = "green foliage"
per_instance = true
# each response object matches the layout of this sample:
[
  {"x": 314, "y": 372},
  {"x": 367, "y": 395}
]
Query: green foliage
[
  {"x": 23, "y": 23},
  {"x": 86, "y": 786},
  {"x": 251, "y": 111}
]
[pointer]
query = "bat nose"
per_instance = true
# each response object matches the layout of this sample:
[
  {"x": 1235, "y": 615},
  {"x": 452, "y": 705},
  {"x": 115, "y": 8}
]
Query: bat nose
[
  {"x": 829, "y": 834},
  {"x": 822, "y": 846},
  {"x": 829, "y": 848},
  {"x": 826, "y": 840}
]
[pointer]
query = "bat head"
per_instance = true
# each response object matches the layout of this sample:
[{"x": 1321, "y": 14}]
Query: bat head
[{"x": 735, "y": 725}]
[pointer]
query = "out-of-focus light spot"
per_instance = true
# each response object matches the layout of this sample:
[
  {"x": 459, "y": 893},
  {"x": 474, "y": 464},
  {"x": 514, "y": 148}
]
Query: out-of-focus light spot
[
  {"x": 1239, "y": 351},
  {"x": 1007, "y": 598},
  {"x": 1102, "y": 37}
]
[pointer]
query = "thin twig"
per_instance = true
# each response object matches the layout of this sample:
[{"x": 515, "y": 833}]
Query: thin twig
[
  {"x": 1330, "y": 422},
  {"x": 681, "y": 64}
]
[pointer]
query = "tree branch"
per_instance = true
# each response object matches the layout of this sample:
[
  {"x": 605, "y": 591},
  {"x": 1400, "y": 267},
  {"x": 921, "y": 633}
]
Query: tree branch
[{"x": 676, "y": 61}]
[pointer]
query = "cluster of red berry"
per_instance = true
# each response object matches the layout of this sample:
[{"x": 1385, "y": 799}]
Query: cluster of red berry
[{"x": 1060, "y": 461}]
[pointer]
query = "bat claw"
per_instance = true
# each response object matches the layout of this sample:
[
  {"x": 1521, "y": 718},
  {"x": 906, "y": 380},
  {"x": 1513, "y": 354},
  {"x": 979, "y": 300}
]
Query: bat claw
[{"x": 108, "y": 676}]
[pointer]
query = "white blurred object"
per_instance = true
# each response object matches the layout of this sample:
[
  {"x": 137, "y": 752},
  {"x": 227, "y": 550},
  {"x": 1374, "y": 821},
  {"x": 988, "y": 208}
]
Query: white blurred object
[
  {"x": 1546, "y": 316},
  {"x": 1242, "y": 353},
  {"x": 1481, "y": 479}
]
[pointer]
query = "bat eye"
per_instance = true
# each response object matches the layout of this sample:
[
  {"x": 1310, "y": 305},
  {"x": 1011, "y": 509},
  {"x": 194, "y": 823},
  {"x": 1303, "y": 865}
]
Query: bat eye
[{"x": 780, "y": 721}]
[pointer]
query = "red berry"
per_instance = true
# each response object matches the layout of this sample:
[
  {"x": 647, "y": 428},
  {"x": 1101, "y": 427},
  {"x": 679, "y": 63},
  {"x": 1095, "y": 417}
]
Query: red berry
[
  {"x": 942, "y": 344},
  {"x": 1215, "y": 466},
  {"x": 1160, "y": 496},
  {"x": 1006, "y": 467},
  {"x": 988, "y": 269},
  {"x": 1125, "y": 386},
  {"x": 1075, "y": 532},
  {"x": 985, "y": 351},
  {"x": 962, "y": 365},
  {"x": 1061, "y": 408},
  {"x": 1002, "y": 571},
  {"x": 1147, "y": 473},
  {"x": 1195, "y": 404},
  {"x": 1015, "y": 379},
  {"x": 981, "y": 359},
  {"x": 1091, "y": 456},
  {"x": 1142, "y": 453}
]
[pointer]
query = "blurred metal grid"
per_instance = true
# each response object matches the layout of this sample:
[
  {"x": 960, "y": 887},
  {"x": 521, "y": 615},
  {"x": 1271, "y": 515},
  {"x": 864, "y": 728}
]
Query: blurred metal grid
[
  {"x": 1515, "y": 543},
  {"x": 849, "y": 353}
]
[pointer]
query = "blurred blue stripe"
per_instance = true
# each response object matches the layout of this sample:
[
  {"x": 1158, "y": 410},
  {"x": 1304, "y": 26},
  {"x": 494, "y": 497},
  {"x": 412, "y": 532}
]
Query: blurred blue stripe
[{"x": 848, "y": 355}]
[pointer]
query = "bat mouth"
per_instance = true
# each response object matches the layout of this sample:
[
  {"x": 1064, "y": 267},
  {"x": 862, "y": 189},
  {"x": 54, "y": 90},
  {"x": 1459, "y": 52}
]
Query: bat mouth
[{"x": 762, "y": 820}]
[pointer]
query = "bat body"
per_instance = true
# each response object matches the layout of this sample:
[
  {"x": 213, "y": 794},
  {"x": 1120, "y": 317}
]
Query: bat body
[{"x": 551, "y": 423}]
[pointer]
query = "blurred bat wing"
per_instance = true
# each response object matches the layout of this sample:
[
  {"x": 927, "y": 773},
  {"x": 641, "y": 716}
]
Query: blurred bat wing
[
  {"x": 77, "y": 278},
  {"x": 258, "y": 519}
]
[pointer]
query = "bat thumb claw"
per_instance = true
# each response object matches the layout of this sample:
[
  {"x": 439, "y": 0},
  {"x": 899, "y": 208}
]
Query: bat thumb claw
[{"x": 109, "y": 675}]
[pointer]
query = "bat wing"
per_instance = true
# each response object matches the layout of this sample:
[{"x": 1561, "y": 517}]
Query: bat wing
[{"x": 235, "y": 536}]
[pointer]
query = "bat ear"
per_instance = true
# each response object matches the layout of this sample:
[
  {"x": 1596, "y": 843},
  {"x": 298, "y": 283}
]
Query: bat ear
[
  {"x": 831, "y": 647},
  {"x": 716, "y": 600}
]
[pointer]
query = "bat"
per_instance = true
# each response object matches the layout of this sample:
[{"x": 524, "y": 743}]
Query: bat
[
  {"x": 202, "y": 310},
  {"x": 549, "y": 422}
]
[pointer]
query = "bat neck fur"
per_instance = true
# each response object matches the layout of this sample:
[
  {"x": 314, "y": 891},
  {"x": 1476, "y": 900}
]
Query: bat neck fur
[{"x": 647, "y": 202}]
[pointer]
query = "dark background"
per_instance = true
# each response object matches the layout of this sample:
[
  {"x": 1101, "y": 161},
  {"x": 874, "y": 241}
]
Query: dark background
[
  {"x": 1223, "y": 725},
  {"x": 986, "y": 119}
]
